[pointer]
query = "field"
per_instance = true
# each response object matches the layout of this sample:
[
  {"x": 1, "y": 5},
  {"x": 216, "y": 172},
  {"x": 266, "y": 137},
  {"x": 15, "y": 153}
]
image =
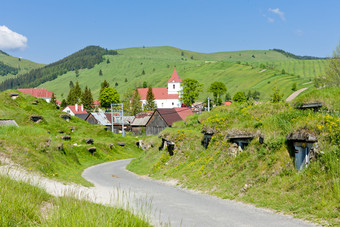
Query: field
[{"x": 239, "y": 70}]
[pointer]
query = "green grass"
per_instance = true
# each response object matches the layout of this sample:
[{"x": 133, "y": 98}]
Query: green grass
[
  {"x": 35, "y": 145},
  {"x": 241, "y": 72},
  {"x": 23, "y": 65},
  {"x": 264, "y": 174},
  {"x": 26, "y": 205}
]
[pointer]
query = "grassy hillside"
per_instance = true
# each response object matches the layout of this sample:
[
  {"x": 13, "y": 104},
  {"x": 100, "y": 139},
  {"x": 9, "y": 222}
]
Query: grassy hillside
[
  {"x": 22, "y": 65},
  {"x": 240, "y": 70},
  {"x": 35, "y": 145},
  {"x": 263, "y": 173}
]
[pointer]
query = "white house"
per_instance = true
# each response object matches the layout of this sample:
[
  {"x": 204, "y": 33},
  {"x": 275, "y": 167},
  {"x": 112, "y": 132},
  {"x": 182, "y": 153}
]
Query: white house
[
  {"x": 165, "y": 97},
  {"x": 75, "y": 109}
]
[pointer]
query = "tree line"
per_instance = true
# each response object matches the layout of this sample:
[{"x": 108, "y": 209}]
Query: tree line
[
  {"x": 85, "y": 58},
  {"x": 290, "y": 55},
  {"x": 6, "y": 69}
]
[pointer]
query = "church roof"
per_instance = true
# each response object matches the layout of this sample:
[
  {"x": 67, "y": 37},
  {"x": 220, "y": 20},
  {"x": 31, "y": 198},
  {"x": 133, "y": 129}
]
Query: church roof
[
  {"x": 158, "y": 93},
  {"x": 174, "y": 77}
]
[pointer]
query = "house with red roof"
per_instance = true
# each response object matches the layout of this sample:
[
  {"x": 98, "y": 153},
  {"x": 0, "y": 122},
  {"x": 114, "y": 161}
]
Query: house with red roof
[
  {"x": 74, "y": 110},
  {"x": 165, "y": 97},
  {"x": 38, "y": 92}
]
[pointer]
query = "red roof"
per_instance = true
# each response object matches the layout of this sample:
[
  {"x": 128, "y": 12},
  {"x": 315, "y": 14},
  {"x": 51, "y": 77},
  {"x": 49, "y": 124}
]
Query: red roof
[
  {"x": 227, "y": 103},
  {"x": 183, "y": 112},
  {"x": 174, "y": 77},
  {"x": 169, "y": 115},
  {"x": 73, "y": 109},
  {"x": 37, "y": 92},
  {"x": 96, "y": 102},
  {"x": 158, "y": 93}
]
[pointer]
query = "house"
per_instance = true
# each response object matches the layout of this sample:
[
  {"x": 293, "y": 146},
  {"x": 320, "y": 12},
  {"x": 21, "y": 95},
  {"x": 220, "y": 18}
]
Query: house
[
  {"x": 165, "y": 97},
  {"x": 75, "y": 109},
  {"x": 162, "y": 118},
  {"x": 138, "y": 126},
  {"x": 38, "y": 92},
  {"x": 98, "y": 118},
  {"x": 227, "y": 103}
]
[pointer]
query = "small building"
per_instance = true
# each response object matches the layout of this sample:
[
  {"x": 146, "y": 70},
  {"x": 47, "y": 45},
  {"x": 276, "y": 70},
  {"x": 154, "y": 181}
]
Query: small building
[
  {"x": 98, "y": 118},
  {"x": 118, "y": 122},
  {"x": 75, "y": 109},
  {"x": 38, "y": 93},
  {"x": 227, "y": 103},
  {"x": 14, "y": 95},
  {"x": 310, "y": 106},
  {"x": 138, "y": 126},
  {"x": 162, "y": 118}
]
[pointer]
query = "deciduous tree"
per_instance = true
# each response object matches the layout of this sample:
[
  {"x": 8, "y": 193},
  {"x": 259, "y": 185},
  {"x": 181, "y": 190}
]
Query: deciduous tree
[
  {"x": 107, "y": 96},
  {"x": 218, "y": 89},
  {"x": 239, "y": 97},
  {"x": 191, "y": 91}
]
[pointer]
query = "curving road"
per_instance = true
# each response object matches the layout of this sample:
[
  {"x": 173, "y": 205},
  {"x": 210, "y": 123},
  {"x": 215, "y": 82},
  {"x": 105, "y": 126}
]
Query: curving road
[{"x": 179, "y": 207}]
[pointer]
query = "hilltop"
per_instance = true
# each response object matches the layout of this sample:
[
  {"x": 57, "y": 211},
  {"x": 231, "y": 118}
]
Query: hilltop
[{"x": 240, "y": 70}]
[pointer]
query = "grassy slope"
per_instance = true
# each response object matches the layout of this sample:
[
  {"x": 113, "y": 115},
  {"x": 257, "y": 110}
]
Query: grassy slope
[
  {"x": 264, "y": 174},
  {"x": 158, "y": 63},
  {"x": 24, "y": 65},
  {"x": 26, "y": 205},
  {"x": 27, "y": 145}
]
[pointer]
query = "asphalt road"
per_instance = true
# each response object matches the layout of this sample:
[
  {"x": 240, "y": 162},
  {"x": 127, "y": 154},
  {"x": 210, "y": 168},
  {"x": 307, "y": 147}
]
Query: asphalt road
[{"x": 179, "y": 207}]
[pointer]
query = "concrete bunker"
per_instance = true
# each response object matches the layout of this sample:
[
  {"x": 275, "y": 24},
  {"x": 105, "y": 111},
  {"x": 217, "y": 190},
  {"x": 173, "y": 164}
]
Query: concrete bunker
[
  {"x": 241, "y": 139},
  {"x": 302, "y": 146},
  {"x": 315, "y": 106}
]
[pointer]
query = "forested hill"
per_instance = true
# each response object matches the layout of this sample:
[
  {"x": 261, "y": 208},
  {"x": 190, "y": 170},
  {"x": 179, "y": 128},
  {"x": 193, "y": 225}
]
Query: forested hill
[
  {"x": 85, "y": 58},
  {"x": 290, "y": 55}
]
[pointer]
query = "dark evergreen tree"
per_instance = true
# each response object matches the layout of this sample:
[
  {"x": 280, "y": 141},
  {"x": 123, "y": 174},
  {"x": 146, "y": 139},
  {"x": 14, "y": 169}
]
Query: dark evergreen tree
[
  {"x": 100, "y": 72},
  {"x": 136, "y": 105},
  {"x": 63, "y": 103},
  {"x": 87, "y": 99},
  {"x": 71, "y": 84},
  {"x": 53, "y": 100},
  {"x": 150, "y": 100},
  {"x": 104, "y": 85},
  {"x": 145, "y": 84},
  {"x": 116, "y": 84}
]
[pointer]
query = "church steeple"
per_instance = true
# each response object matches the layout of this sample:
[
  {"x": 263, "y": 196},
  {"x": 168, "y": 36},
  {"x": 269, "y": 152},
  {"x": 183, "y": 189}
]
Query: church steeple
[
  {"x": 174, "y": 77},
  {"x": 174, "y": 83}
]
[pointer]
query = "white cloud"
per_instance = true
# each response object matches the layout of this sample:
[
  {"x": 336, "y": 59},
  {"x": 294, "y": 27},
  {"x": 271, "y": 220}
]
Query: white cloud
[
  {"x": 271, "y": 20},
  {"x": 278, "y": 12},
  {"x": 10, "y": 40}
]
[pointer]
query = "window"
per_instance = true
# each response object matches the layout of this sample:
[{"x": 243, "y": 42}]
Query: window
[
  {"x": 173, "y": 86},
  {"x": 173, "y": 104}
]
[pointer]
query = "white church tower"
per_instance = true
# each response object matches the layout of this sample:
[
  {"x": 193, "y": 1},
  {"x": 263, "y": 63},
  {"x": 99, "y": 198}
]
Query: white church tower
[{"x": 174, "y": 84}]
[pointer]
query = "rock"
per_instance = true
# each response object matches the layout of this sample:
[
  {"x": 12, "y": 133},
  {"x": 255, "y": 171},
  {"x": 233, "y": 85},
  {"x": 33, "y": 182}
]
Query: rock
[
  {"x": 122, "y": 144},
  {"x": 48, "y": 142},
  {"x": 66, "y": 117},
  {"x": 60, "y": 131},
  {"x": 111, "y": 146},
  {"x": 89, "y": 141},
  {"x": 66, "y": 137},
  {"x": 92, "y": 149}
]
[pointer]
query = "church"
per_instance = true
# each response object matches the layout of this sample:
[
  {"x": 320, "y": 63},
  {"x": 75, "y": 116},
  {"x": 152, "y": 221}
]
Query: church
[{"x": 165, "y": 97}]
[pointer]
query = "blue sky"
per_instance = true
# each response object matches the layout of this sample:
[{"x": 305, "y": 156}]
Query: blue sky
[{"x": 46, "y": 31}]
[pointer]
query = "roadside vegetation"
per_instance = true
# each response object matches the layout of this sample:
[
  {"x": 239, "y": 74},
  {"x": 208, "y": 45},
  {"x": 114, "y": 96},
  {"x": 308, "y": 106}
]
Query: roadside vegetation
[
  {"x": 25, "y": 205},
  {"x": 263, "y": 173}
]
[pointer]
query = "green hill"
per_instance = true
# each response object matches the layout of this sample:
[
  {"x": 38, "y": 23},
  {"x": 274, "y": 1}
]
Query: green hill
[
  {"x": 20, "y": 65},
  {"x": 238, "y": 69},
  {"x": 264, "y": 172}
]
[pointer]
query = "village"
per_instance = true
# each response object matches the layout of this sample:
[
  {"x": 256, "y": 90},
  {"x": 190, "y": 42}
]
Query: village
[{"x": 168, "y": 109}]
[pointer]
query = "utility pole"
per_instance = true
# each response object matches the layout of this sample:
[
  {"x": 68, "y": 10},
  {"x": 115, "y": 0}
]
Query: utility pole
[
  {"x": 120, "y": 110},
  {"x": 208, "y": 104}
]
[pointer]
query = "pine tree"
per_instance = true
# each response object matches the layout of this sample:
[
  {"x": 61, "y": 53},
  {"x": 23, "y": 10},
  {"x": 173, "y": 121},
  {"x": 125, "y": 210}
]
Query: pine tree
[
  {"x": 53, "y": 100},
  {"x": 100, "y": 72},
  {"x": 63, "y": 103},
  {"x": 136, "y": 105},
  {"x": 150, "y": 100},
  {"x": 87, "y": 99},
  {"x": 104, "y": 85}
]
